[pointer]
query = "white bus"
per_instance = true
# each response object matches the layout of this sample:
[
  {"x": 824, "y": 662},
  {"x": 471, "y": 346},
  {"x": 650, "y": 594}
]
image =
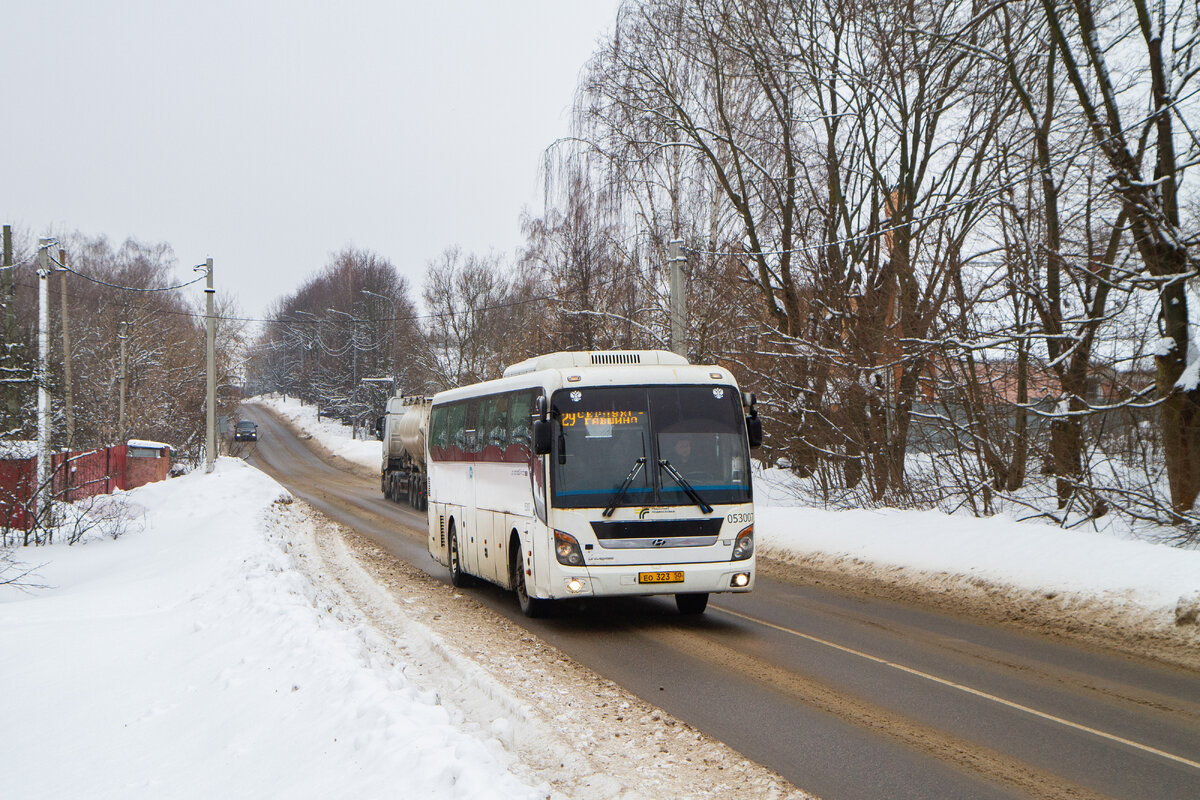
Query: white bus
[{"x": 588, "y": 474}]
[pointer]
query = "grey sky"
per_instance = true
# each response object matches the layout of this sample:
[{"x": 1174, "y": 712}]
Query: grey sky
[{"x": 269, "y": 134}]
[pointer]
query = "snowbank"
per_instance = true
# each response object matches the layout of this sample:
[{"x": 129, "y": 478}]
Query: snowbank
[
  {"x": 1028, "y": 556},
  {"x": 189, "y": 659}
]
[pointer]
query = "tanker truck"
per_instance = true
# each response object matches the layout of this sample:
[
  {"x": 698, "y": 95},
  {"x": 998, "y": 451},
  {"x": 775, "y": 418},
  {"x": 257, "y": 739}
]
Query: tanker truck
[{"x": 402, "y": 475}]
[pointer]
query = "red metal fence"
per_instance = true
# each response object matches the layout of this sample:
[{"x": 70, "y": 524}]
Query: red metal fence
[
  {"x": 76, "y": 475},
  {"x": 17, "y": 477}
]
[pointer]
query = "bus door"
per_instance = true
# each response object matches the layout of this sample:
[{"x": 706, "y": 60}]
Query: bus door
[
  {"x": 493, "y": 491},
  {"x": 469, "y": 542}
]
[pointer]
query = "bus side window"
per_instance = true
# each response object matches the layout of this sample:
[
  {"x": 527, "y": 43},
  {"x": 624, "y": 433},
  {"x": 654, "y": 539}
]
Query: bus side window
[
  {"x": 437, "y": 434},
  {"x": 520, "y": 416},
  {"x": 485, "y": 440},
  {"x": 471, "y": 437},
  {"x": 498, "y": 423},
  {"x": 456, "y": 416}
]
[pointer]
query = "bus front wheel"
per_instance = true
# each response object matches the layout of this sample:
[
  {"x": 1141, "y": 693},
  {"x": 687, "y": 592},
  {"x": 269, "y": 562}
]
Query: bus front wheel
[
  {"x": 530, "y": 606},
  {"x": 692, "y": 603}
]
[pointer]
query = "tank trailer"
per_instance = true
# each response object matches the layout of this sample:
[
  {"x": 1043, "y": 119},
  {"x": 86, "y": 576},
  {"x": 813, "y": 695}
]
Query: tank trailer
[{"x": 403, "y": 476}]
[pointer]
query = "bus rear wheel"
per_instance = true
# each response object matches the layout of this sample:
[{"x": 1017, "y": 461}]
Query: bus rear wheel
[
  {"x": 458, "y": 578},
  {"x": 691, "y": 603}
]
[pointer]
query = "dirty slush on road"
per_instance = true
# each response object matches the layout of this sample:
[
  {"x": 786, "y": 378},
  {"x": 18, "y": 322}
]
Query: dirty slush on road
[{"x": 562, "y": 725}]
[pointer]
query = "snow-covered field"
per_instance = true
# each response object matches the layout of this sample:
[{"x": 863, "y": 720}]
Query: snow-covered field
[{"x": 206, "y": 653}]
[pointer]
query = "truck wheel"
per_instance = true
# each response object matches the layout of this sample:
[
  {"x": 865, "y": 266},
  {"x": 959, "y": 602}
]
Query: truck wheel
[{"x": 458, "y": 578}]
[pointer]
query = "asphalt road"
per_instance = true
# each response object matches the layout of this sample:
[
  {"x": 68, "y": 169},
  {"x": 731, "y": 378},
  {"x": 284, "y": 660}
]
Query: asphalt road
[{"x": 845, "y": 697}]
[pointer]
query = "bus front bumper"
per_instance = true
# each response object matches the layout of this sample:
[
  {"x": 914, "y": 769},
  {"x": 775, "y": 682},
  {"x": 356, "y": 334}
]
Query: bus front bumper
[{"x": 651, "y": 579}]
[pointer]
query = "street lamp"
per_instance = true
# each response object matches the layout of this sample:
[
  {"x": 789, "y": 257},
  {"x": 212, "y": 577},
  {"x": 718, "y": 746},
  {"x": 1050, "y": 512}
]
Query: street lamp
[
  {"x": 383, "y": 297},
  {"x": 389, "y": 350},
  {"x": 353, "y": 343}
]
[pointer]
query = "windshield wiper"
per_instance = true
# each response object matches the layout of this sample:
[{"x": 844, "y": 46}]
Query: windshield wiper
[
  {"x": 687, "y": 487},
  {"x": 637, "y": 467}
]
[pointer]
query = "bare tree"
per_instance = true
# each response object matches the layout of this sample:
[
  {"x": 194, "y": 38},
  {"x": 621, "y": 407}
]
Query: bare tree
[
  {"x": 850, "y": 143},
  {"x": 127, "y": 288},
  {"x": 595, "y": 291},
  {"x": 479, "y": 320},
  {"x": 350, "y": 326},
  {"x": 1141, "y": 119}
]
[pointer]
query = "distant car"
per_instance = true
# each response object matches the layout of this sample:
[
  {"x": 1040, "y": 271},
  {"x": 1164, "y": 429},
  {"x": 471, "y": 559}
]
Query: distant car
[{"x": 245, "y": 431}]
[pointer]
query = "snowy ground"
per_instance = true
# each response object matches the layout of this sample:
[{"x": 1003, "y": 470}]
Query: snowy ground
[
  {"x": 233, "y": 643},
  {"x": 193, "y": 657}
]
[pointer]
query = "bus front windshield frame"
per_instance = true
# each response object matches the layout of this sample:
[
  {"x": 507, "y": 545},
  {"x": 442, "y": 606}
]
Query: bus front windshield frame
[{"x": 602, "y": 432}]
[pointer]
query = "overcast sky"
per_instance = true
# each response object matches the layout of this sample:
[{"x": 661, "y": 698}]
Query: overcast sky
[{"x": 269, "y": 134}]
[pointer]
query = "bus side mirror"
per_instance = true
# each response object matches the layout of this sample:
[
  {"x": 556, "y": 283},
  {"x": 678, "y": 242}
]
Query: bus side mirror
[
  {"x": 753, "y": 423},
  {"x": 541, "y": 437},
  {"x": 754, "y": 431}
]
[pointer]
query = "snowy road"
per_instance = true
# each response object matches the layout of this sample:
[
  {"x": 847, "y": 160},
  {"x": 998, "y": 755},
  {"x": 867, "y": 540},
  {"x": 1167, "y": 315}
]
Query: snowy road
[{"x": 845, "y": 696}]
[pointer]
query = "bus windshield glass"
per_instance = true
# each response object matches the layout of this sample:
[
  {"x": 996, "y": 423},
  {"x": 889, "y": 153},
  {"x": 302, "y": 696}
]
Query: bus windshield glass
[{"x": 602, "y": 432}]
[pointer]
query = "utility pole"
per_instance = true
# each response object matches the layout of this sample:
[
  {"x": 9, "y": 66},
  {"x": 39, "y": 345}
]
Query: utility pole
[
  {"x": 11, "y": 412},
  {"x": 211, "y": 440},
  {"x": 122, "y": 335},
  {"x": 678, "y": 297},
  {"x": 7, "y": 277},
  {"x": 43, "y": 378},
  {"x": 68, "y": 401}
]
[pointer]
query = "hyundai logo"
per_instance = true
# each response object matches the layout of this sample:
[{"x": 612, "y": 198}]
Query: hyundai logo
[{"x": 659, "y": 542}]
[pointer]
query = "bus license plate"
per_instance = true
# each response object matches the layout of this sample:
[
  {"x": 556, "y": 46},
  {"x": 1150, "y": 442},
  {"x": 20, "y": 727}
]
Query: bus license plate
[{"x": 660, "y": 577}]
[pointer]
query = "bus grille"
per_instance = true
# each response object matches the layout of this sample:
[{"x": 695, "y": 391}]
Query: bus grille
[{"x": 658, "y": 532}]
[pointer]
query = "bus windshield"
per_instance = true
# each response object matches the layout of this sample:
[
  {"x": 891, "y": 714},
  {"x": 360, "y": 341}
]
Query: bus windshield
[{"x": 698, "y": 431}]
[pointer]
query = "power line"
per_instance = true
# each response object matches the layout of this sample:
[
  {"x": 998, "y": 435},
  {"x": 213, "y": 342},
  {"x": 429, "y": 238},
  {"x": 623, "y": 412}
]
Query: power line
[
  {"x": 126, "y": 288},
  {"x": 323, "y": 320}
]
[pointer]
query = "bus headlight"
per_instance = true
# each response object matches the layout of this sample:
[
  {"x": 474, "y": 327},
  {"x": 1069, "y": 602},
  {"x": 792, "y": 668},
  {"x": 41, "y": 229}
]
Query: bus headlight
[
  {"x": 567, "y": 550},
  {"x": 743, "y": 548},
  {"x": 740, "y": 581}
]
